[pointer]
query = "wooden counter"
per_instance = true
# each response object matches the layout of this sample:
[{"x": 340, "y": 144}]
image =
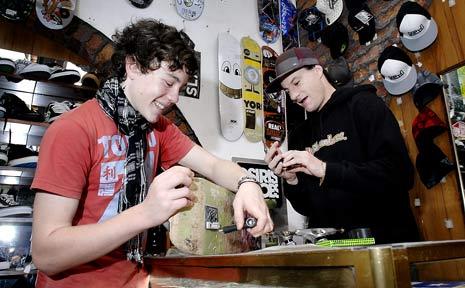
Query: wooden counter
[{"x": 312, "y": 266}]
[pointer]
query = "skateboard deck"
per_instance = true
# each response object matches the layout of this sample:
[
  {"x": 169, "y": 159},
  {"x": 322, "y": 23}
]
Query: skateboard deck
[
  {"x": 230, "y": 101},
  {"x": 195, "y": 229},
  {"x": 274, "y": 104},
  {"x": 288, "y": 23},
  {"x": 252, "y": 89},
  {"x": 268, "y": 20},
  {"x": 189, "y": 9}
]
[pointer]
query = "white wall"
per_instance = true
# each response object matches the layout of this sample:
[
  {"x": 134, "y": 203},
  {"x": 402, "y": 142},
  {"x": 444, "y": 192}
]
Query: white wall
[{"x": 239, "y": 17}]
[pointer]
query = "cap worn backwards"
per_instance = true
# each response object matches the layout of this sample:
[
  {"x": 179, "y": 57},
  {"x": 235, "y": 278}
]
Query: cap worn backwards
[{"x": 289, "y": 62}]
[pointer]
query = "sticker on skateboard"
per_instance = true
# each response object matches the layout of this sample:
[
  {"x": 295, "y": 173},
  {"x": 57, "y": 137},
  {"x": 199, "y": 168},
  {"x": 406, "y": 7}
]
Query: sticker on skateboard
[
  {"x": 230, "y": 101},
  {"x": 268, "y": 17},
  {"x": 189, "y": 9},
  {"x": 252, "y": 89},
  {"x": 196, "y": 229},
  {"x": 274, "y": 104}
]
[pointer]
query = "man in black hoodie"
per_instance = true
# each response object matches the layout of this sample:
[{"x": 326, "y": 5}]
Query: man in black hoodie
[{"x": 347, "y": 165}]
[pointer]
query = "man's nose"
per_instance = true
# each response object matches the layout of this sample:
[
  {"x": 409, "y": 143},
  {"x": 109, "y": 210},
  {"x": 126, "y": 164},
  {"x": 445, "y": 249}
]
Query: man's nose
[{"x": 173, "y": 96}]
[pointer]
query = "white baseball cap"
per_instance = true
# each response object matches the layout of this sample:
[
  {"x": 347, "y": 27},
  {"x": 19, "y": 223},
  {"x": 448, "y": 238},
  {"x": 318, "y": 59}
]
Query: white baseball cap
[
  {"x": 417, "y": 28},
  {"x": 331, "y": 8},
  {"x": 399, "y": 73}
]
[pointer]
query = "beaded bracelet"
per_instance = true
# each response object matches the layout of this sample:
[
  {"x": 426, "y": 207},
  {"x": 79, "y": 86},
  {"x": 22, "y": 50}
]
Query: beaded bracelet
[{"x": 244, "y": 179}]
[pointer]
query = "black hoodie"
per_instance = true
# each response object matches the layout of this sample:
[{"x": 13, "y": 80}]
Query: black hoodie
[{"x": 368, "y": 169}]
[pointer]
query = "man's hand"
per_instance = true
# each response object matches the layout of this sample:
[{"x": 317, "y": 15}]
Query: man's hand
[
  {"x": 249, "y": 198},
  {"x": 303, "y": 161},
  {"x": 274, "y": 158},
  {"x": 168, "y": 193}
]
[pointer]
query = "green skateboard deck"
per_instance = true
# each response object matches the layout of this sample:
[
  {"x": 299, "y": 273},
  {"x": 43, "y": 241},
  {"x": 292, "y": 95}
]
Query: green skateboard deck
[
  {"x": 252, "y": 89},
  {"x": 274, "y": 104},
  {"x": 194, "y": 230}
]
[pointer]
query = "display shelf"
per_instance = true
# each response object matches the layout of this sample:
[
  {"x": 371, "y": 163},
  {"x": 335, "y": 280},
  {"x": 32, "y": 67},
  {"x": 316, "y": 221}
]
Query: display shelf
[
  {"x": 22, "y": 132},
  {"x": 45, "y": 87},
  {"x": 16, "y": 175}
]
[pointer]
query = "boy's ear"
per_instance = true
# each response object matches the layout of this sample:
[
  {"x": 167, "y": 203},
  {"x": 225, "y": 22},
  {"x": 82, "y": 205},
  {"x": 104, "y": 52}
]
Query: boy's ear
[{"x": 132, "y": 67}]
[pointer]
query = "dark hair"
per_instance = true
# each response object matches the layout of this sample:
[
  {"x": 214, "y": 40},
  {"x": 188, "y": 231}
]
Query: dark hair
[
  {"x": 325, "y": 73},
  {"x": 150, "y": 42}
]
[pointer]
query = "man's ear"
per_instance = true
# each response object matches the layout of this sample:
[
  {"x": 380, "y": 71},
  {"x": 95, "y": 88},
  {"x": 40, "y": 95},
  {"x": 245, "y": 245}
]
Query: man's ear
[
  {"x": 319, "y": 70},
  {"x": 132, "y": 67}
]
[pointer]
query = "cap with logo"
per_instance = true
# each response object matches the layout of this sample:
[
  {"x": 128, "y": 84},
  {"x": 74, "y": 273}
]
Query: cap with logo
[
  {"x": 336, "y": 38},
  {"x": 189, "y": 9},
  {"x": 427, "y": 87},
  {"x": 396, "y": 67},
  {"x": 339, "y": 73},
  {"x": 362, "y": 21},
  {"x": 331, "y": 8},
  {"x": 57, "y": 16},
  {"x": 141, "y": 3},
  {"x": 313, "y": 21},
  {"x": 290, "y": 61},
  {"x": 16, "y": 10},
  {"x": 417, "y": 28}
]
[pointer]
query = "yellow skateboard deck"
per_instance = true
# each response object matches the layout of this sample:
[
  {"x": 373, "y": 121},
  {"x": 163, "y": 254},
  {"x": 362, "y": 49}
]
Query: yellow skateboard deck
[{"x": 252, "y": 89}]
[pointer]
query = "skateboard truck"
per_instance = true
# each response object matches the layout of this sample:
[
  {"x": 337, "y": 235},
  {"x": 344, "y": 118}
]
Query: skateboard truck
[
  {"x": 315, "y": 234},
  {"x": 249, "y": 223}
]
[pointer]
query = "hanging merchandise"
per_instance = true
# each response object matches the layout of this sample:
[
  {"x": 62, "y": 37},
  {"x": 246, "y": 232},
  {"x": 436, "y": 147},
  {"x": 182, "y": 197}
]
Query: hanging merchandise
[
  {"x": 339, "y": 73},
  {"x": 274, "y": 104},
  {"x": 268, "y": 17},
  {"x": 336, "y": 38},
  {"x": 189, "y": 9},
  {"x": 230, "y": 101},
  {"x": 55, "y": 14},
  {"x": 362, "y": 21},
  {"x": 252, "y": 94},
  {"x": 288, "y": 21},
  {"x": 16, "y": 10},
  {"x": 397, "y": 69},
  {"x": 417, "y": 28},
  {"x": 141, "y": 3},
  {"x": 331, "y": 8},
  {"x": 427, "y": 87},
  {"x": 313, "y": 21}
]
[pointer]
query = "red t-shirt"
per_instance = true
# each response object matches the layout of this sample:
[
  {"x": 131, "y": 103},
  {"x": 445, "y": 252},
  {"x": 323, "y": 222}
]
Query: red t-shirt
[{"x": 82, "y": 156}]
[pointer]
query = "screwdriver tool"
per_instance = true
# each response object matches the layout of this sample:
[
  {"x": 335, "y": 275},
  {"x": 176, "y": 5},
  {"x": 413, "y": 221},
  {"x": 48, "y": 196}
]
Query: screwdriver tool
[{"x": 249, "y": 223}]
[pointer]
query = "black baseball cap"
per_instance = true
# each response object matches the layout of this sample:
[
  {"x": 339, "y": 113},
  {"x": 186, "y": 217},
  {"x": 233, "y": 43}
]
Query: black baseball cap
[
  {"x": 427, "y": 87},
  {"x": 362, "y": 21},
  {"x": 141, "y": 3},
  {"x": 313, "y": 21},
  {"x": 396, "y": 67},
  {"x": 339, "y": 73},
  {"x": 290, "y": 61},
  {"x": 336, "y": 38},
  {"x": 16, "y": 10},
  {"x": 417, "y": 28}
]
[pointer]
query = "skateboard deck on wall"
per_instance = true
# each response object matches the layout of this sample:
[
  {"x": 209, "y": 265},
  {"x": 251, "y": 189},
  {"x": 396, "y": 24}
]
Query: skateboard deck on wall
[
  {"x": 268, "y": 20},
  {"x": 195, "y": 229},
  {"x": 288, "y": 24},
  {"x": 231, "y": 106},
  {"x": 274, "y": 104},
  {"x": 252, "y": 89}
]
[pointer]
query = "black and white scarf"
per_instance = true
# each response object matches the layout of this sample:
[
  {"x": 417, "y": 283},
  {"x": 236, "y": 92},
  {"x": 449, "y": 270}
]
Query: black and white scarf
[{"x": 115, "y": 104}]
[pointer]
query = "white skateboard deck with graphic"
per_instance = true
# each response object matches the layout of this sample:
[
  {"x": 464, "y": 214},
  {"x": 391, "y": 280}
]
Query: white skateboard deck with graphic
[
  {"x": 230, "y": 92},
  {"x": 252, "y": 89}
]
